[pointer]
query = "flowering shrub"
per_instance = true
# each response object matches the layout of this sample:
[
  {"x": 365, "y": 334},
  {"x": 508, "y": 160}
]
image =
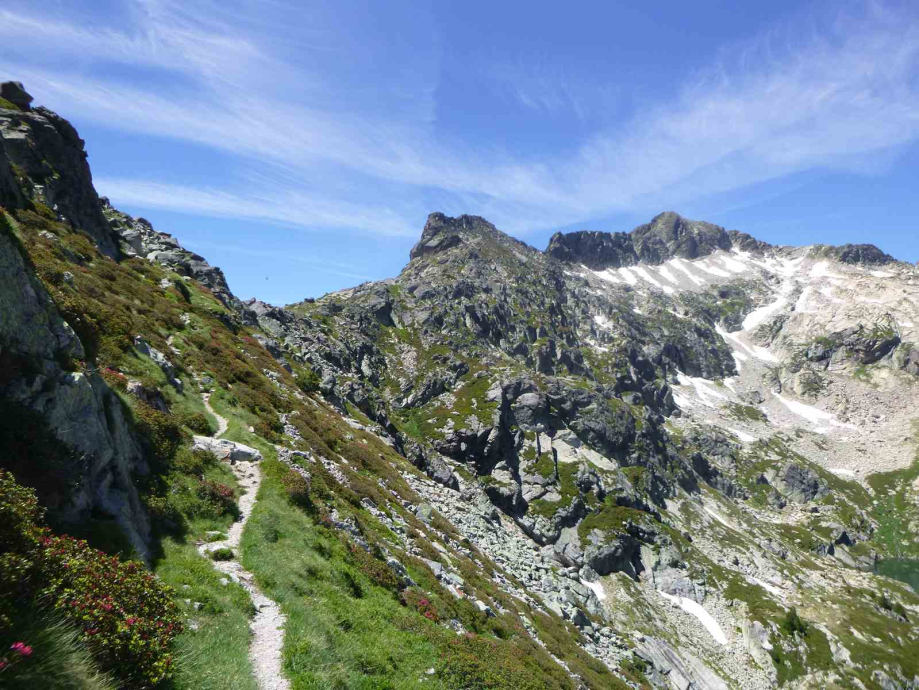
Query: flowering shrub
[
  {"x": 420, "y": 604},
  {"x": 218, "y": 495},
  {"x": 18, "y": 652},
  {"x": 115, "y": 379},
  {"x": 126, "y": 617}
]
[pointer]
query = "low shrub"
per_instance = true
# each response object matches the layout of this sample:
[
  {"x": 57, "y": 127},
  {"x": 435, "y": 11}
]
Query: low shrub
[
  {"x": 793, "y": 623},
  {"x": 197, "y": 422},
  {"x": 297, "y": 488},
  {"x": 308, "y": 381},
  {"x": 161, "y": 431},
  {"x": 417, "y": 601},
  {"x": 222, "y": 554},
  {"x": 473, "y": 662},
  {"x": 219, "y": 495},
  {"x": 124, "y": 615}
]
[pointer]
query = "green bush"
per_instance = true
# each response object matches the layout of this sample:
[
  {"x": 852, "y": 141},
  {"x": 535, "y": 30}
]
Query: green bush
[
  {"x": 222, "y": 554},
  {"x": 308, "y": 381},
  {"x": 161, "y": 431},
  {"x": 197, "y": 422},
  {"x": 793, "y": 623},
  {"x": 297, "y": 488},
  {"x": 219, "y": 495},
  {"x": 125, "y": 616}
]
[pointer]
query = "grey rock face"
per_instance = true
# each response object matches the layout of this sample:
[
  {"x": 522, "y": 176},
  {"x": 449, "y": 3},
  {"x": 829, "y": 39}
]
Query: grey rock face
[
  {"x": 856, "y": 254},
  {"x": 799, "y": 484},
  {"x": 15, "y": 93},
  {"x": 79, "y": 408},
  {"x": 678, "y": 669},
  {"x": 46, "y": 148},
  {"x": 861, "y": 344}
]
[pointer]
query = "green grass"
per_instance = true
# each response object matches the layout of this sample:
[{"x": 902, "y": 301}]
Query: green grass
[
  {"x": 349, "y": 627},
  {"x": 216, "y": 656},
  {"x": 333, "y": 637},
  {"x": 895, "y": 509},
  {"x": 746, "y": 413},
  {"x": 58, "y": 660}
]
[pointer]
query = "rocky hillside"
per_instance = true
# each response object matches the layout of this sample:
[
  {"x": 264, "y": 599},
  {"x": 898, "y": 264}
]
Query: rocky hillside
[{"x": 672, "y": 457}]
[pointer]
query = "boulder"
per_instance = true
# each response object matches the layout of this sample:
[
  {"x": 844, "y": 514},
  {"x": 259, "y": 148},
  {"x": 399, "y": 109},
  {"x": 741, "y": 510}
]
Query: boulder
[{"x": 226, "y": 450}]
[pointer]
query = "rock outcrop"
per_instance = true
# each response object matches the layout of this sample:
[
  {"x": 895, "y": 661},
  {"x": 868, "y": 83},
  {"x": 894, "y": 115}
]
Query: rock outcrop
[{"x": 44, "y": 162}]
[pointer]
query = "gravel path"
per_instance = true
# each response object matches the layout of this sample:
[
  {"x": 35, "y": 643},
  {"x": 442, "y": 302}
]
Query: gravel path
[
  {"x": 267, "y": 626},
  {"x": 222, "y": 423}
]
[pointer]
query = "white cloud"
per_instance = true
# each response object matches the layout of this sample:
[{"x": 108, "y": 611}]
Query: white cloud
[{"x": 290, "y": 206}]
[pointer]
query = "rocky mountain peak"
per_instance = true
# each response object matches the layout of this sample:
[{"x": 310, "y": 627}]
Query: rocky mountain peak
[
  {"x": 668, "y": 235},
  {"x": 856, "y": 254},
  {"x": 442, "y": 232}
]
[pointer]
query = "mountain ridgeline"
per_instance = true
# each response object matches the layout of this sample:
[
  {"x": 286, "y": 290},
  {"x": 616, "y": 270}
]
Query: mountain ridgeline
[{"x": 669, "y": 458}]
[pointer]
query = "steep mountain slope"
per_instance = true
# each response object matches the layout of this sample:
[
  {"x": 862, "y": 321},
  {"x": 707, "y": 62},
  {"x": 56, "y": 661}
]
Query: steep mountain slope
[{"x": 669, "y": 457}]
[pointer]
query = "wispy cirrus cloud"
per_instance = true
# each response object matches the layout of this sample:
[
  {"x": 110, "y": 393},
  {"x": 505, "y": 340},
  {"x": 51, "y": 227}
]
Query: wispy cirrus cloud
[
  {"x": 292, "y": 207},
  {"x": 332, "y": 151}
]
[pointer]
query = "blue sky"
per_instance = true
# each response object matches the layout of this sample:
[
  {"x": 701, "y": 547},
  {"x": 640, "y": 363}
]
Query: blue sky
[{"x": 301, "y": 145}]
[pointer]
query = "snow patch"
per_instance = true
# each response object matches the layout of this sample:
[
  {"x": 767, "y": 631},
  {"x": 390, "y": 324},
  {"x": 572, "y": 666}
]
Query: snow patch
[
  {"x": 827, "y": 291},
  {"x": 772, "y": 589},
  {"x": 754, "y": 350},
  {"x": 606, "y": 275},
  {"x": 707, "y": 395},
  {"x": 627, "y": 276},
  {"x": 678, "y": 264},
  {"x": 647, "y": 276},
  {"x": 704, "y": 617},
  {"x": 596, "y": 588},
  {"x": 714, "y": 270},
  {"x": 881, "y": 274},
  {"x": 762, "y": 353},
  {"x": 717, "y": 516},
  {"x": 802, "y": 303},
  {"x": 840, "y": 472},
  {"x": 819, "y": 270},
  {"x": 734, "y": 265},
  {"x": 812, "y": 414},
  {"x": 667, "y": 275},
  {"x": 745, "y": 437},
  {"x": 758, "y": 316}
]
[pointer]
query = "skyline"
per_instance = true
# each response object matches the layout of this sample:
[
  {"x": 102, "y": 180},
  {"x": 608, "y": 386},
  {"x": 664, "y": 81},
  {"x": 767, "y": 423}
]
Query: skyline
[{"x": 302, "y": 150}]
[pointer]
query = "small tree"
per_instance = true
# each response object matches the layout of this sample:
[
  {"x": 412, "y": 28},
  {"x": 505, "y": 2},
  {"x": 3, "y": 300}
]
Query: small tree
[
  {"x": 309, "y": 381},
  {"x": 793, "y": 623}
]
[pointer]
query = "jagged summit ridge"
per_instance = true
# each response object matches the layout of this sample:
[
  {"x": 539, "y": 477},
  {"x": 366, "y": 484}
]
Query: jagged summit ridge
[{"x": 667, "y": 236}]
